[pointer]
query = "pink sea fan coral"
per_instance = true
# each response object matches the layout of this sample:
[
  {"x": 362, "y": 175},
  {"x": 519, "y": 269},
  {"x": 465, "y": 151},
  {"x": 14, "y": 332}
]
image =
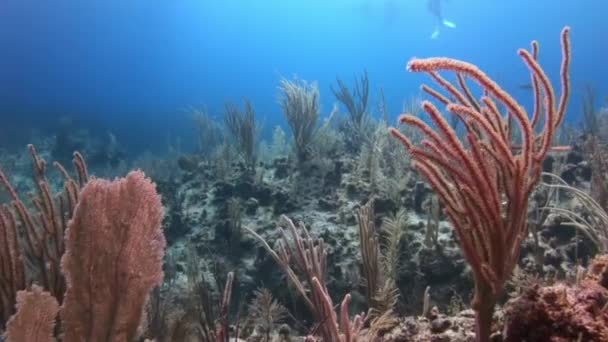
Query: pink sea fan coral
[
  {"x": 35, "y": 317},
  {"x": 114, "y": 252}
]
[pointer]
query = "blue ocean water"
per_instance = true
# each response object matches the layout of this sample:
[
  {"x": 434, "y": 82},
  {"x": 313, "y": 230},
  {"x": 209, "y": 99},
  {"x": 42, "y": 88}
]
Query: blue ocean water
[{"x": 135, "y": 68}]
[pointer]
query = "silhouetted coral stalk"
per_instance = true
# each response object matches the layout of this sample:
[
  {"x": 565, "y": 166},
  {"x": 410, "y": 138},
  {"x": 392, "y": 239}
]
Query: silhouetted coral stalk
[
  {"x": 11, "y": 265},
  {"x": 370, "y": 254},
  {"x": 243, "y": 127},
  {"x": 223, "y": 331}
]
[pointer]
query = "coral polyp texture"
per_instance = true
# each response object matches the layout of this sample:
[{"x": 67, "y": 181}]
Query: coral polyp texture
[
  {"x": 562, "y": 312},
  {"x": 114, "y": 256}
]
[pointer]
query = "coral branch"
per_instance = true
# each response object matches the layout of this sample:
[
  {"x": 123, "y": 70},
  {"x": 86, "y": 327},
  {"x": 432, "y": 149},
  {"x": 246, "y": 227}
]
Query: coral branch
[{"x": 12, "y": 271}]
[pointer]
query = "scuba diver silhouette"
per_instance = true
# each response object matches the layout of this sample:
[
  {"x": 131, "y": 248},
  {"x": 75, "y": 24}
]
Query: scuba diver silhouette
[{"x": 434, "y": 6}]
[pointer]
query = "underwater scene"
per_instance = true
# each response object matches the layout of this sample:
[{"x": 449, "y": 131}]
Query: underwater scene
[{"x": 304, "y": 170}]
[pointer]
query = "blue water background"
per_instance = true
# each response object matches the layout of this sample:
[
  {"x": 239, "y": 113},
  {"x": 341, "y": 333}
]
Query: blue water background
[{"x": 135, "y": 68}]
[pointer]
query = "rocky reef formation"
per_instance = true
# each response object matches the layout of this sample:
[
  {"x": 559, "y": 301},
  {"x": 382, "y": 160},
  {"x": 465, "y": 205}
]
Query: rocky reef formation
[
  {"x": 562, "y": 312},
  {"x": 264, "y": 239}
]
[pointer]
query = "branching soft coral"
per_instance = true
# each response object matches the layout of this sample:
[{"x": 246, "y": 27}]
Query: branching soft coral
[
  {"x": 484, "y": 179},
  {"x": 300, "y": 252}
]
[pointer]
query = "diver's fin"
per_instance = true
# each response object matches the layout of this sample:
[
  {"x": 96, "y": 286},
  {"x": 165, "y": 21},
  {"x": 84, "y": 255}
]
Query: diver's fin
[
  {"x": 449, "y": 24},
  {"x": 435, "y": 33}
]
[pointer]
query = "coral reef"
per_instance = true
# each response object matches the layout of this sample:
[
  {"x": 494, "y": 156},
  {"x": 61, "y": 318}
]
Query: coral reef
[
  {"x": 562, "y": 312},
  {"x": 478, "y": 207}
]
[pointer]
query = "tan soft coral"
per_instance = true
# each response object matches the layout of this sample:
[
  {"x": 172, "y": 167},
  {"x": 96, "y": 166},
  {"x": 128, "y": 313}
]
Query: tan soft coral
[
  {"x": 598, "y": 270},
  {"x": 561, "y": 312}
]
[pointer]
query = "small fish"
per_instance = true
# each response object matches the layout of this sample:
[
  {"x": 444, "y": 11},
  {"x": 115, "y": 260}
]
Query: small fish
[{"x": 525, "y": 86}]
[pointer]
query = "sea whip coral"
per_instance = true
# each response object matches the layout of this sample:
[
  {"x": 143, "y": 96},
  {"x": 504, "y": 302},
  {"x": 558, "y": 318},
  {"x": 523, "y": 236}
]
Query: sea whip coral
[{"x": 484, "y": 183}]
